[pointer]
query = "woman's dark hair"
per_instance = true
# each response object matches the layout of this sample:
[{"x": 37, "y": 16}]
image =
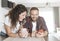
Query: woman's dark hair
[{"x": 14, "y": 13}]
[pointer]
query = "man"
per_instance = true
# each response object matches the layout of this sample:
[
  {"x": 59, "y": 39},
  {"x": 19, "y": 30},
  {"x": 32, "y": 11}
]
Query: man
[{"x": 36, "y": 24}]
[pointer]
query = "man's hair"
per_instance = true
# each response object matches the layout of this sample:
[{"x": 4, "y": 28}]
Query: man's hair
[{"x": 34, "y": 8}]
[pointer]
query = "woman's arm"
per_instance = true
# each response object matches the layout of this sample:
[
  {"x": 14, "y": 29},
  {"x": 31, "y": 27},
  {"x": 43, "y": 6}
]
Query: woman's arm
[{"x": 8, "y": 31}]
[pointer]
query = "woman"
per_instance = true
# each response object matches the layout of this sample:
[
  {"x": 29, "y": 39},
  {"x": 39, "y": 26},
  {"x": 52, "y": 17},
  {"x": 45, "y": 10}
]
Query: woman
[{"x": 13, "y": 20}]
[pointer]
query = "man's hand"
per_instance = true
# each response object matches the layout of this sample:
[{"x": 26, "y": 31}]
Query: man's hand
[{"x": 41, "y": 33}]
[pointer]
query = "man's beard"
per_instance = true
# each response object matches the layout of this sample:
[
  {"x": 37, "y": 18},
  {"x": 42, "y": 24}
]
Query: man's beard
[{"x": 34, "y": 20}]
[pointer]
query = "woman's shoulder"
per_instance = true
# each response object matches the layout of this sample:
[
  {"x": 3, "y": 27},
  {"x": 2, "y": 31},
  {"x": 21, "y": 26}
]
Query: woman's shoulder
[{"x": 6, "y": 17}]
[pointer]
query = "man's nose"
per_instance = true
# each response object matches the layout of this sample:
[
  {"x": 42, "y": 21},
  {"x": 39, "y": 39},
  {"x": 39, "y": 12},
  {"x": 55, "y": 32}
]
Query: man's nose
[{"x": 34, "y": 16}]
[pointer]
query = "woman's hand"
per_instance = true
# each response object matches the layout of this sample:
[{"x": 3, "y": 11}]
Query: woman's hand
[{"x": 23, "y": 32}]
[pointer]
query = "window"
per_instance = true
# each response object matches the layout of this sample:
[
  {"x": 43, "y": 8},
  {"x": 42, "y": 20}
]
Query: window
[{"x": 48, "y": 15}]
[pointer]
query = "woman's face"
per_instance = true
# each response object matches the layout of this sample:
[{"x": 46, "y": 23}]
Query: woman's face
[{"x": 22, "y": 16}]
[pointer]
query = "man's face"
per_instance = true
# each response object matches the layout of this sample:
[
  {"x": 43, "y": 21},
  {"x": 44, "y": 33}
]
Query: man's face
[{"x": 34, "y": 14}]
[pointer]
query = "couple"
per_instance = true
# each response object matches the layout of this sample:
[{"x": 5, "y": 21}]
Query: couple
[{"x": 18, "y": 24}]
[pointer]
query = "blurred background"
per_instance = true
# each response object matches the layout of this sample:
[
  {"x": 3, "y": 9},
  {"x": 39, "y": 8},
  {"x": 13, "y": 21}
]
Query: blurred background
[{"x": 49, "y": 9}]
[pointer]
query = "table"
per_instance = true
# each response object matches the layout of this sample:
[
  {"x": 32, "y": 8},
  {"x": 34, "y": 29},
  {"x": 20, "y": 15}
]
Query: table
[
  {"x": 24, "y": 39},
  {"x": 51, "y": 37}
]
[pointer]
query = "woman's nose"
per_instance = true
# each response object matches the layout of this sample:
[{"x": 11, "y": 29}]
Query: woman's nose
[{"x": 24, "y": 16}]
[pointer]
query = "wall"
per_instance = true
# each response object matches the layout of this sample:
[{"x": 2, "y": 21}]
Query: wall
[
  {"x": 56, "y": 16},
  {"x": 3, "y": 11},
  {"x": 59, "y": 16},
  {"x": 48, "y": 15}
]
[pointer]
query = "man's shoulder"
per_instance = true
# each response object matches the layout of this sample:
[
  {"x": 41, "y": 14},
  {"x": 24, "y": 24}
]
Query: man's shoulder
[{"x": 40, "y": 17}]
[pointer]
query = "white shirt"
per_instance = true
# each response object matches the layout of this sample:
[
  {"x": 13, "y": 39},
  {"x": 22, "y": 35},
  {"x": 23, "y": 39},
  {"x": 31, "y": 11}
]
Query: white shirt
[
  {"x": 8, "y": 22},
  {"x": 34, "y": 26}
]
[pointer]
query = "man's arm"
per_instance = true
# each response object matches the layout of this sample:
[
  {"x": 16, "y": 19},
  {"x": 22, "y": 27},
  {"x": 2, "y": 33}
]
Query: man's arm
[
  {"x": 44, "y": 24},
  {"x": 43, "y": 30}
]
